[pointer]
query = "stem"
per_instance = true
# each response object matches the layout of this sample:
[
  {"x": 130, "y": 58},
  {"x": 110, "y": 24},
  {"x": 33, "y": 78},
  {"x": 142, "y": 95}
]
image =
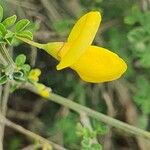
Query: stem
[
  {"x": 38, "y": 45},
  {"x": 51, "y": 48},
  {"x": 3, "y": 111},
  {"x": 99, "y": 116},
  {"x": 94, "y": 114},
  {"x": 6, "y": 56},
  {"x": 2, "y": 60},
  {"x": 30, "y": 134}
]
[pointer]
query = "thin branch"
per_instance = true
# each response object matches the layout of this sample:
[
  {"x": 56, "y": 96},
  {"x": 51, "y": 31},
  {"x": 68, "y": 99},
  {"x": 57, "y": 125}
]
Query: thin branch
[
  {"x": 94, "y": 114},
  {"x": 30, "y": 134},
  {"x": 4, "y": 100}
]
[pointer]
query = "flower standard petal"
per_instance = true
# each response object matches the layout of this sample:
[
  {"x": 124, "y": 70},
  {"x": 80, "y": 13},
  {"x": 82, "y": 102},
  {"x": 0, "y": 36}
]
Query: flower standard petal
[
  {"x": 80, "y": 38},
  {"x": 98, "y": 64}
]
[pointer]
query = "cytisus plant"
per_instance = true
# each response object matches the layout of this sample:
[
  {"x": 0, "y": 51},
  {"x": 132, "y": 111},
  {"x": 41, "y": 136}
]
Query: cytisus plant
[
  {"x": 17, "y": 72},
  {"x": 92, "y": 63}
]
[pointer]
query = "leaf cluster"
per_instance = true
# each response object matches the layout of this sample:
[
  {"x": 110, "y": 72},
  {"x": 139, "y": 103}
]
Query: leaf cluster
[
  {"x": 139, "y": 35},
  {"x": 20, "y": 73},
  {"x": 87, "y": 138},
  {"x": 142, "y": 97},
  {"x": 10, "y": 28}
]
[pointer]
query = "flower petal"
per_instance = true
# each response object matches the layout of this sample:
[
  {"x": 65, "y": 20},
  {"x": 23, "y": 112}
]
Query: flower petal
[
  {"x": 98, "y": 64},
  {"x": 80, "y": 38}
]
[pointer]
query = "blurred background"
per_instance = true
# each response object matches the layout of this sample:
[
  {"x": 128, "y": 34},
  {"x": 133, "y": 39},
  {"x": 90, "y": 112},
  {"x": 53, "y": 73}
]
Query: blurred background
[{"x": 125, "y": 29}]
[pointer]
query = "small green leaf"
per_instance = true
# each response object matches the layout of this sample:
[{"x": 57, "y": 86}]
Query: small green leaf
[
  {"x": 10, "y": 21},
  {"x": 18, "y": 76},
  {"x": 134, "y": 16},
  {"x": 9, "y": 35},
  {"x": 20, "y": 59},
  {"x": 3, "y": 29},
  {"x": 26, "y": 68},
  {"x": 1, "y": 13},
  {"x": 22, "y": 24},
  {"x": 26, "y": 34},
  {"x": 3, "y": 79}
]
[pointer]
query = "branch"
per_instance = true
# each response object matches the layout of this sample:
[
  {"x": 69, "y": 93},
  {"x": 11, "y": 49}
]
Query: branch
[
  {"x": 30, "y": 134},
  {"x": 3, "y": 110},
  {"x": 94, "y": 114}
]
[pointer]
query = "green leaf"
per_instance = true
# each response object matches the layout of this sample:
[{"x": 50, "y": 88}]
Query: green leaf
[
  {"x": 9, "y": 35},
  {"x": 136, "y": 35},
  {"x": 3, "y": 79},
  {"x": 22, "y": 24},
  {"x": 20, "y": 59},
  {"x": 10, "y": 21},
  {"x": 15, "y": 42},
  {"x": 26, "y": 34},
  {"x": 3, "y": 29},
  {"x": 144, "y": 59},
  {"x": 135, "y": 16},
  {"x": 85, "y": 142},
  {"x": 18, "y": 76},
  {"x": 100, "y": 127},
  {"x": 145, "y": 21},
  {"x": 142, "y": 95},
  {"x": 1, "y": 13},
  {"x": 26, "y": 68}
]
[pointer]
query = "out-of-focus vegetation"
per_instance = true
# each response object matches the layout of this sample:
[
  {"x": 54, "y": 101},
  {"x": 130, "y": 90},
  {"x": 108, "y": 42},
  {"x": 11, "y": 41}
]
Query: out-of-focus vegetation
[{"x": 125, "y": 29}]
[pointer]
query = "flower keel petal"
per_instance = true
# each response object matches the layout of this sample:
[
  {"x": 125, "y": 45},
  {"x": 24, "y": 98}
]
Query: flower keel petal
[{"x": 98, "y": 64}]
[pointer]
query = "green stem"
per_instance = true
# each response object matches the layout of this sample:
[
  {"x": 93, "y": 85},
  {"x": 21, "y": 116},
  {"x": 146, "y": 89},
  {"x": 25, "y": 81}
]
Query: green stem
[
  {"x": 99, "y": 116},
  {"x": 94, "y": 114},
  {"x": 6, "y": 55},
  {"x": 38, "y": 45},
  {"x": 2, "y": 60},
  {"x": 51, "y": 48}
]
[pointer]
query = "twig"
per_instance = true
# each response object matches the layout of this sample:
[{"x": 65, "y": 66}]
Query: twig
[
  {"x": 4, "y": 100},
  {"x": 94, "y": 114},
  {"x": 20, "y": 115},
  {"x": 33, "y": 56},
  {"x": 29, "y": 133}
]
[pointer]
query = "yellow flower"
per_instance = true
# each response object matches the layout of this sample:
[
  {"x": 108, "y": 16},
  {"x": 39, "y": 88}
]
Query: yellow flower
[
  {"x": 34, "y": 75},
  {"x": 43, "y": 90},
  {"x": 80, "y": 39},
  {"x": 92, "y": 63}
]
